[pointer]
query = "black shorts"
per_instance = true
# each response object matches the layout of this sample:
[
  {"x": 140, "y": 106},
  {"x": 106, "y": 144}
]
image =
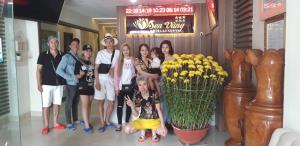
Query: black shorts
[{"x": 86, "y": 90}]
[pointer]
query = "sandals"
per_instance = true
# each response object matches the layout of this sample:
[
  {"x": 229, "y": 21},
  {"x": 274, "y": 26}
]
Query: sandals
[
  {"x": 101, "y": 129},
  {"x": 155, "y": 139},
  {"x": 45, "y": 131},
  {"x": 59, "y": 126},
  {"x": 118, "y": 128},
  {"x": 142, "y": 138}
]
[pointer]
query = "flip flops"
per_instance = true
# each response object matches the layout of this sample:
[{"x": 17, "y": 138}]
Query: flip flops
[
  {"x": 59, "y": 126},
  {"x": 155, "y": 139},
  {"x": 141, "y": 138},
  {"x": 45, "y": 131}
]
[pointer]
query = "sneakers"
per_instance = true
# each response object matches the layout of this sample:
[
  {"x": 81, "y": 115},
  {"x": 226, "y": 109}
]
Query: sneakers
[
  {"x": 70, "y": 127},
  {"x": 110, "y": 125},
  {"x": 88, "y": 130},
  {"x": 79, "y": 122}
]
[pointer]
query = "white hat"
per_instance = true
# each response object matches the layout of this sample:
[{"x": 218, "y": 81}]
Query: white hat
[{"x": 108, "y": 36}]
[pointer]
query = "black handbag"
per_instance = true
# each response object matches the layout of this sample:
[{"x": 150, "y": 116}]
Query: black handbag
[
  {"x": 133, "y": 83},
  {"x": 126, "y": 88},
  {"x": 104, "y": 68}
]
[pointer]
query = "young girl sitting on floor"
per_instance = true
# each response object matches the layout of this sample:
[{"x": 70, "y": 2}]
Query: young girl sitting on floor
[{"x": 150, "y": 114}]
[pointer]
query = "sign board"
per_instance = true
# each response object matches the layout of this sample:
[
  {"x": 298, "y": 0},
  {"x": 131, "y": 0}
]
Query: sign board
[
  {"x": 1, "y": 52},
  {"x": 271, "y": 8},
  {"x": 160, "y": 10},
  {"x": 160, "y": 24}
]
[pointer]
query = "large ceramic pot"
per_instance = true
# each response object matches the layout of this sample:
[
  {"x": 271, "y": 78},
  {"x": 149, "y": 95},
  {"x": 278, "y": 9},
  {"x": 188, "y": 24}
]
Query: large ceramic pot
[
  {"x": 237, "y": 94},
  {"x": 264, "y": 114},
  {"x": 190, "y": 136}
]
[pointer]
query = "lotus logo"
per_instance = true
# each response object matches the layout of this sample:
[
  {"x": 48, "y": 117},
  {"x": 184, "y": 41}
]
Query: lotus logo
[{"x": 142, "y": 23}]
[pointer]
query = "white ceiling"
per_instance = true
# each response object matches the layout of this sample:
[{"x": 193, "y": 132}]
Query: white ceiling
[{"x": 107, "y": 8}]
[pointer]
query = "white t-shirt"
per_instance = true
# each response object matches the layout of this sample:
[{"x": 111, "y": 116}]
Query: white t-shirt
[
  {"x": 103, "y": 56},
  {"x": 155, "y": 62},
  {"x": 126, "y": 72}
]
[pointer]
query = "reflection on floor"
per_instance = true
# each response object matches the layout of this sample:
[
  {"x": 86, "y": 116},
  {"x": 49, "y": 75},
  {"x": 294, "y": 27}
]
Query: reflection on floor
[{"x": 31, "y": 136}]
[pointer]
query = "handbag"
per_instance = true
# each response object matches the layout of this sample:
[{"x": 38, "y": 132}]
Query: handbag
[
  {"x": 104, "y": 68},
  {"x": 133, "y": 83},
  {"x": 126, "y": 88}
]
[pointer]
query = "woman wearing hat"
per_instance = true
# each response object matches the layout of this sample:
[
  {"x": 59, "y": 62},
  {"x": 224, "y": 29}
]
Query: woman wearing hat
[
  {"x": 85, "y": 74},
  {"x": 105, "y": 62}
]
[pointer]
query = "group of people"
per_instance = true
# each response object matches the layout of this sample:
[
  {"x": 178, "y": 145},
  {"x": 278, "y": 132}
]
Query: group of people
[{"x": 114, "y": 73}]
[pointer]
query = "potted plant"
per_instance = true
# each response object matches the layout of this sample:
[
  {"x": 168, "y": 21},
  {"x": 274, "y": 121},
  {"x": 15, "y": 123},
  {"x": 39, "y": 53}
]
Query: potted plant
[{"x": 191, "y": 85}]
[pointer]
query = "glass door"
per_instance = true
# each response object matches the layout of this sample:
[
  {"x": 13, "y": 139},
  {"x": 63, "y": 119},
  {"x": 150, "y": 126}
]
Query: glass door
[{"x": 9, "y": 107}]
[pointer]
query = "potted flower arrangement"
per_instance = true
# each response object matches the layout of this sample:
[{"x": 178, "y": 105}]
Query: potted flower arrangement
[{"x": 191, "y": 85}]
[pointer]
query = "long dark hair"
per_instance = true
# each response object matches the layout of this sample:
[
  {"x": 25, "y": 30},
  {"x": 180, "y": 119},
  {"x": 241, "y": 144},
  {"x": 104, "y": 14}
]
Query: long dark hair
[
  {"x": 139, "y": 56},
  {"x": 171, "y": 50}
]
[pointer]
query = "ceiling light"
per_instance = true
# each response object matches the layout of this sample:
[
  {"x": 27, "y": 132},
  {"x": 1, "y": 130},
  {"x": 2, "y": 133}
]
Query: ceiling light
[
  {"x": 108, "y": 23},
  {"x": 103, "y": 18},
  {"x": 133, "y": 1}
]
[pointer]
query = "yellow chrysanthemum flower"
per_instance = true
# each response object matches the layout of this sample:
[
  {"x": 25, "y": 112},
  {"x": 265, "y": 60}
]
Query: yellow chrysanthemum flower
[
  {"x": 191, "y": 62},
  {"x": 205, "y": 76},
  {"x": 176, "y": 56},
  {"x": 173, "y": 80},
  {"x": 185, "y": 62},
  {"x": 212, "y": 76},
  {"x": 186, "y": 81},
  {"x": 175, "y": 74},
  {"x": 164, "y": 70},
  {"x": 191, "y": 75},
  {"x": 189, "y": 56},
  {"x": 198, "y": 72},
  {"x": 221, "y": 73},
  {"x": 210, "y": 57},
  {"x": 183, "y": 73},
  {"x": 207, "y": 67},
  {"x": 198, "y": 62},
  {"x": 192, "y": 66}
]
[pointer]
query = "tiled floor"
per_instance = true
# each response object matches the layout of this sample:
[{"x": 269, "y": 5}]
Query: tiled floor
[
  {"x": 30, "y": 129},
  {"x": 31, "y": 135}
]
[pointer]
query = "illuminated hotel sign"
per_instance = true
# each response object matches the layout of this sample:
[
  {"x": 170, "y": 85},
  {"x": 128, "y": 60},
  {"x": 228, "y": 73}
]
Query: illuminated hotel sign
[
  {"x": 160, "y": 24},
  {"x": 160, "y": 19},
  {"x": 160, "y": 10}
]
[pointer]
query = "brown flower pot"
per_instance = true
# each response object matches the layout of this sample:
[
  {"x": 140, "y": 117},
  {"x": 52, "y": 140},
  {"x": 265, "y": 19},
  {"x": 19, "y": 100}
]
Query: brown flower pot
[
  {"x": 237, "y": 94},
  {"x": 264, "y": 114},
  {"x": 190, "y": 136}
]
